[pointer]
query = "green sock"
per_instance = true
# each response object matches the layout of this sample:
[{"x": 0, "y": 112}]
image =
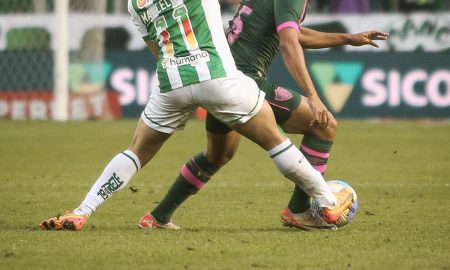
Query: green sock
[
  {"x": 317, "y": 152},
  {"x": 193, "y": 176}
]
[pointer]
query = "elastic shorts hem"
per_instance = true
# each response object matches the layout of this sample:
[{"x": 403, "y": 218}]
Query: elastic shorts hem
[{"x": 157, "y": 127}]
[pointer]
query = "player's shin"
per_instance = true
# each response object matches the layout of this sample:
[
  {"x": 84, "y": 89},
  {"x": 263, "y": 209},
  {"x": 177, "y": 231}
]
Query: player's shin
[
  {"x": 293, "y": 165},
  {"x": 193, "y": 176},
  {"x": 115, "y": 177},
  {"x": 317, "y": 152}
]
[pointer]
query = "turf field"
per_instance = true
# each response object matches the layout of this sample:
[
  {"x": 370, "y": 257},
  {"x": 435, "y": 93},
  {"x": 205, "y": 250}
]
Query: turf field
[{"x": 400, "y": 171}]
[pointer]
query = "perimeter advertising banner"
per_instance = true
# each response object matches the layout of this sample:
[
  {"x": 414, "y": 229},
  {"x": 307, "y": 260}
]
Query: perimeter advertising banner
[
  {"x": 352, "y": 84},
  {"x": 389, "y": 85}
]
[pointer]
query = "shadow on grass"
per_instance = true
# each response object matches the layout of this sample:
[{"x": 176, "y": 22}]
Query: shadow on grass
[{"x": 187, "y": 230}]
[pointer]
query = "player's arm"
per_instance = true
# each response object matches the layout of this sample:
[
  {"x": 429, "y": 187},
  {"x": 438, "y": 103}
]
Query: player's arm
[
  {"x": 294, "y": 59},
  {"x": 312, "y": 39},
  {"x": 153, "y": 48},
  {"x": 143, "y": 31}
]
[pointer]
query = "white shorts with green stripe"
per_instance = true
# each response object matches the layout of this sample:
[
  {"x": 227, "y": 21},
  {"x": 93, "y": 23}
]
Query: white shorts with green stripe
[{"x": 232, "y": 100}]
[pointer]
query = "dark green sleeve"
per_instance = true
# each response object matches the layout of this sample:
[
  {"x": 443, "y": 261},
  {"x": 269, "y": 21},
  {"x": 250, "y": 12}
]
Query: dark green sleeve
[{"x": 288, "y": 13}]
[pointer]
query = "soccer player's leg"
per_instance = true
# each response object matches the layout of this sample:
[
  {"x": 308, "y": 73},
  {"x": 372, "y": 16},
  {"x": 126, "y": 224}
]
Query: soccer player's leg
[
  {"x": 152, "y": 131},
  {"x": 258, "y": 124},
  {"x": 316, "y": 146},
  {"x": 223, "y": 142},
  {"x": 193, "y": 176},
  {"x": 294, "y": 116},
  {"x": 222, "y": 145},
  {"x": 291, "y": 163},
  {"x": 115, "y": 177}
]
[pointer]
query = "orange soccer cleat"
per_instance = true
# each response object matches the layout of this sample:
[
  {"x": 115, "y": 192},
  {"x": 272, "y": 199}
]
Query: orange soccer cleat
[
  {"x": 68, "y": 221},
  {"x": 308, "y": 221}
]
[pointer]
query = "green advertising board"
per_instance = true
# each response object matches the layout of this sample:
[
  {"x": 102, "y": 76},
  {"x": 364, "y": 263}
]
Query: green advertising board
[{"x": 366, "y": 85}]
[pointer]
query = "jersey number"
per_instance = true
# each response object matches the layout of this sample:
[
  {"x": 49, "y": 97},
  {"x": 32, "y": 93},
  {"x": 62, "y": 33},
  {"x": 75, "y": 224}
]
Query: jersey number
[
  {"x": 237, "y": 25},
  {"x": 180, "y": 14}
]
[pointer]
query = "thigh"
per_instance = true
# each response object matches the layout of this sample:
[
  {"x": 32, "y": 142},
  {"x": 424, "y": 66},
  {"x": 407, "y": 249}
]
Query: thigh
[
  {"x": 300, "y": 119},
  {"x": 169, "y": 111},
  {"x": 213, "y": 125},
  {"x": 293, "y": 113},
  {"x": 283, "y": 101},
  {"x": 262, "y": 129}
]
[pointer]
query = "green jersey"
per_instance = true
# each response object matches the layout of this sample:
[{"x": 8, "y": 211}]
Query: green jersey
[
  {"x": 189, "y": 34},
  {"x": 253, "y": 33}
]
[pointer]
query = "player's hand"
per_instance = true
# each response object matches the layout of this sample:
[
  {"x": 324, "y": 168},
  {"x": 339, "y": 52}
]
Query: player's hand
[
  {"x": 322, "y": 116},
  {"x": 367, "y": 38}
]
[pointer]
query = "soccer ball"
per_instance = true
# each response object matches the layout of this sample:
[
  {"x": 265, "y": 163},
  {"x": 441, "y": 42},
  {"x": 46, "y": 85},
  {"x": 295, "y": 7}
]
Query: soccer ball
[{"x": 349, "y": 214}]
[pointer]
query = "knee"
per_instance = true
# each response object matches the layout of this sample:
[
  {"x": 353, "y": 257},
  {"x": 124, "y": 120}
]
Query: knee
[
  {"x": 219, "y": 159},
  {"x": 332, "y": 130},
  {"x": 328, "y": 134}
]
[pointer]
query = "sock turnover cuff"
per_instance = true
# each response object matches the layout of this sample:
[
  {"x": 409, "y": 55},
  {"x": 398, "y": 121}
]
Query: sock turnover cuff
[
  {"x": 203, "y": 164},
  {"x": 134, "y": 158},
  {"x": 277, "y": 150},
  {"x": 317, "y": 144}
]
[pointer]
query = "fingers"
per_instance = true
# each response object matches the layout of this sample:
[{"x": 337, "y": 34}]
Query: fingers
[
  {"x": 373, "y": 44},
  {"x": 329, "y": 119},
  {"x": 377, "y": 35},
  {"x": 321, "y": 119},
  {"x": 326, "y": 118},
  {"x": 315, "y": 122}
]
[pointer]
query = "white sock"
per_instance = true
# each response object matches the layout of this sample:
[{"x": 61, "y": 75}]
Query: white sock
[
  {"x": 294, "y": 166},
  {"x": 115, "y": 177}
]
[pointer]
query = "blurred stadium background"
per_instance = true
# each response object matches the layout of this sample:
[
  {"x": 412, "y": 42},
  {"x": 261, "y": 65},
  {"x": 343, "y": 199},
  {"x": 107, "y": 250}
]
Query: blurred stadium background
[{"x": 90, "y": 50}]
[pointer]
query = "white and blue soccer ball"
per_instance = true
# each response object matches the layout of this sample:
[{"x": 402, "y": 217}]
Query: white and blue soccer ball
[{"x": 349, "y": 214}]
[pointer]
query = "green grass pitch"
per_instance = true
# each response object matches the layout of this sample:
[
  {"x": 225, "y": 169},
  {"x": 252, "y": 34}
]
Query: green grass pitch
[{"x": 400, "y": 170}]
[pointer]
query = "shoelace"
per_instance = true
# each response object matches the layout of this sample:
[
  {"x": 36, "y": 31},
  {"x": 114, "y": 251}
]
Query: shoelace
[{"x": 317, "y": 219}]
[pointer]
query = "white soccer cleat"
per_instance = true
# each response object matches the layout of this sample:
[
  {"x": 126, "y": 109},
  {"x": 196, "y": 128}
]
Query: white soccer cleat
[{"x": 149, "y": 222}]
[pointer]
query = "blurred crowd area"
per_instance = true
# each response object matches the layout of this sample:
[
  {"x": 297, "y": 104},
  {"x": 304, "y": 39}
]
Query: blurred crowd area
[
  {"x": 229, "y": 6},
  {"x": 361, "y": 6}
]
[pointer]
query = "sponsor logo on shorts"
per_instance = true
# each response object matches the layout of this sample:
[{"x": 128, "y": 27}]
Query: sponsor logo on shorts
[
  {"x": 282, "y": 94},
  {"x": 193, "y": 60}
]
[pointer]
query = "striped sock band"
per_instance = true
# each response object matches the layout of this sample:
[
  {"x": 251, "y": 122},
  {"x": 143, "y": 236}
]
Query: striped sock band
[
  {"x": 193, "y": 176},
  {"x": 132, "y": 156},
  {"x": 197, "y": 171},
  {"x": 277, "y": 150},
  {"x": 317, "y": 152}
]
